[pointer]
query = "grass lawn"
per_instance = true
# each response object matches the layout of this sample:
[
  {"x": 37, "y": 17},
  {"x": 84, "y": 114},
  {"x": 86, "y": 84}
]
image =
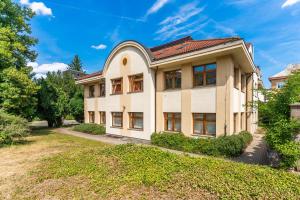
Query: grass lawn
[{"x": 55, "y": 166}]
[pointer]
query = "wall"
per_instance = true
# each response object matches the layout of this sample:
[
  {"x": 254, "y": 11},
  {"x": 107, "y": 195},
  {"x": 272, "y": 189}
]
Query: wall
[{"x": 295, "y": 111}]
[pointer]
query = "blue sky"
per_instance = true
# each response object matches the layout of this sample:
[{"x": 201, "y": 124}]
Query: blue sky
[{"x": 91, "y": 28}]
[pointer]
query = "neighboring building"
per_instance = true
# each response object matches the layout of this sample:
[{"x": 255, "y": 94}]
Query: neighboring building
[
  {"x": 198, "y": 87},
  {"x": 277, "y": 81},
  {"x": 76, "y": 74}
]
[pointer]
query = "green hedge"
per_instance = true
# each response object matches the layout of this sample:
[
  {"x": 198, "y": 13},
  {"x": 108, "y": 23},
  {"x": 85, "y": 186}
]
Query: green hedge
[
  {"x": 94, "y": 129},
  {"x": 228, "y": 146},
  {"x": 12, "y": 128}
]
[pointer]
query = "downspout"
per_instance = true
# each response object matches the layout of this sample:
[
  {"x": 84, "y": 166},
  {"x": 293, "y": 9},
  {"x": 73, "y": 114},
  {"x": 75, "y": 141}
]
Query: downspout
[{"x": 155, "y": 80}]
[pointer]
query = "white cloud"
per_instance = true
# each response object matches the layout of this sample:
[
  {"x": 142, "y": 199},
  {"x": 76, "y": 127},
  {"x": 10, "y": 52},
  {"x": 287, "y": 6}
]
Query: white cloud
[
  {"x": 156, "y": 6},
  {"x": 99, "y": 47},
  {"x": 288, "y": 3},
  {"x": 41, "y": 70},
  {"x": 38, "y": 7},
  {"x": 177, "y": 24}
]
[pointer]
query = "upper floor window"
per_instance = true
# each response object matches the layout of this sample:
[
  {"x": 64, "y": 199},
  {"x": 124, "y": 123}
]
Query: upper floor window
[
  {"x": 205, "y": 75},
  {"x": 243, "y": 83},
  {"x": 173, "y": 79},
  {"x": 236, "y": 78},
  {"x": 136, "y": 83},
  {"x": 136, "y": 120},
  {"x": 280, "y": 85},
  {"x": 117, "y": 86},
  {"x": 91, "y": 91},
  {"x": 102, "y": 89}
]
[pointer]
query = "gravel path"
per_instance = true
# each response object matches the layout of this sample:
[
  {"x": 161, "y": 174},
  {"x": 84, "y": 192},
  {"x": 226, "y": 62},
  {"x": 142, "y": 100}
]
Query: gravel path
[{"x": 255, "y": 153}]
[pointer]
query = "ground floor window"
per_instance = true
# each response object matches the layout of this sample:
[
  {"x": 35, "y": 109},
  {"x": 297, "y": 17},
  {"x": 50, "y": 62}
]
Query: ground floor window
[
  {"x": 136, "y": 120},
  {"x": 91, "y": 117},
  {"x": 204, "y": 123},
  {"x": 235, "y": 122},
  {"x": 102, "y": 118},
  {"x": 117, "y": 119},
  {"x": 172, "y": 122}
]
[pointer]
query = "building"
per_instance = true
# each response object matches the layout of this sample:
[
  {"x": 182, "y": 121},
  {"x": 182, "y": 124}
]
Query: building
[
  {"x": 76, "y": 74},
  {"x": 198, "y": 87},
  {"x": 277, "y": 81}
]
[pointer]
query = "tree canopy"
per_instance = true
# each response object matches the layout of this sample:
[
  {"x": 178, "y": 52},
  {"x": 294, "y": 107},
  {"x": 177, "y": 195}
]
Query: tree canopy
[{"x": 76, "y": 64}]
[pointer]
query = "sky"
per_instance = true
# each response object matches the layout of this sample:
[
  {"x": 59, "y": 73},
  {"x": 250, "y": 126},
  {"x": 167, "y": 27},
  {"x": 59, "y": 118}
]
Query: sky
[{"x": 92, "y": 28}]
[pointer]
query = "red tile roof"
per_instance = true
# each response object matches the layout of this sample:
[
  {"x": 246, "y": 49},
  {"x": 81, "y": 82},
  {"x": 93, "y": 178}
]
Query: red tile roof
[
  {"x": 90, "y": 75},
  {"x": 186, "y": 45},
  {"x": 178, "y": 47}
]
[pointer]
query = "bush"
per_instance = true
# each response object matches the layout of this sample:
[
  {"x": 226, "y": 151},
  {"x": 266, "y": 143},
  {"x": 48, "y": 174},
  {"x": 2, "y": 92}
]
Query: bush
[
  {"x": 12, "y": 128},
  {"x": 94, "y": 129},
  {"x": 228, "y": 146}
]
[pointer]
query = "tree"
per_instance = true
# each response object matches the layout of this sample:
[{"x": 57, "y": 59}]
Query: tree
[
  {"x": 59, "y": 96},
  {"x": 15, "y": 41},
  {"x": 18, "y": 92},
  {"x": 17, "y": 88},
  {"x": 76, "y": 64},
  {"x": 52, "y": 100}
]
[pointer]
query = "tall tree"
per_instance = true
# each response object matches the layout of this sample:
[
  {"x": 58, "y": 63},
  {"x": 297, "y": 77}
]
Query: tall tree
[
  {"x": 15, "y": 39},
  {"x": 17, "y": 89},
  {"x": 76, "y": 64}
]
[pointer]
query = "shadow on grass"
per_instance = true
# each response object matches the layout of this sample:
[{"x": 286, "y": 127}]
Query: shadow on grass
[{"x": 17, "y": 143}]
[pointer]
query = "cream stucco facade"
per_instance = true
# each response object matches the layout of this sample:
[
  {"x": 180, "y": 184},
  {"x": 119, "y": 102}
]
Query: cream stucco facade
[{"x": 227, "y": 99}]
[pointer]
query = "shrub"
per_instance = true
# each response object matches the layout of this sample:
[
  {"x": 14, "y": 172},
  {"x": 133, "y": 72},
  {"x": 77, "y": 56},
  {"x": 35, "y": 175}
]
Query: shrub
[
  {"x": 12, "y": 128},
  {"x": 94, "y": 129},
  {"x": 228, "y": 146}
]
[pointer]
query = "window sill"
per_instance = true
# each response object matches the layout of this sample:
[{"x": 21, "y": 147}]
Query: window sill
[
  {"x": 135, "y": 92},
  {"x": 135, "y": 129},
  {"x": 172, "y": 89},
  {"x": 116, "y": 94},
  {"x": 101, "y": 96},
  {"x": 118, "y": 127},
  {"x": 90, "y": 97},
  {"x": 166, "y": 131},
  {"x": 203, "y": 86},
  {"x": 203, "y": 136}
]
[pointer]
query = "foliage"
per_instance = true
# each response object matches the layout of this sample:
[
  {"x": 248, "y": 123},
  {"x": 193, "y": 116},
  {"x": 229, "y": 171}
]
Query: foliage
[
  {"x": 76, "y": 106},
  {"x": 94, "y": 129},
  {"x": 147, "y": 172},
  {"x": 18, "y": 92},
  {"x": 223, "y": 146},
  {"x": 15, "y": 41},
  {"x": 275, "y": 118},
  {"x": 12, "y": 128},
  {"x": 59, "y": 96},
  {"x": 76, "y": 64}
]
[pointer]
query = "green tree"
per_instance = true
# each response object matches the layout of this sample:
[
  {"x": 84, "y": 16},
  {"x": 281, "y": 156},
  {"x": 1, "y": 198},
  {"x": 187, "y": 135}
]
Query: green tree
[
  {"x": 275, "y": 117},
  {"x": 59, "y": 96},
  {"x": 17, "y": 89},
  {"x": 76, "y": 64},
  {"x": 15, "y": 39},
  {"x": 18, "y": 92}
]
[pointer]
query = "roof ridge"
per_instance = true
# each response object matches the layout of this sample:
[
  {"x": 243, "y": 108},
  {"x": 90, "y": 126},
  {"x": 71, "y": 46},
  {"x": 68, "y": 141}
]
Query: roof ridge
[{"x": 172, "y": 43}]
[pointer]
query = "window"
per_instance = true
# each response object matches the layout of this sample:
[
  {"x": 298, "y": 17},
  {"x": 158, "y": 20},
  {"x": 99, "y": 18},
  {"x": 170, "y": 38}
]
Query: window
[
  {"x": 102, "y": 89},
  {"x": 236, "y": 78},
  {"x": 204, "y": 123},
  {"x": 173, "y": 122},
  {"x": 243, "y": 83},
  {"x": 102, "y": 118},
  {"x": 91, "y": 91},
  {"x": 235, "y": 122},
  {"x": 205, "y": 75},
  {"x": 173, "y": 79},
  {"x": 136, "y": 83},
  {"x": 91, "y": 117},
  {"x": 280, "y": 85},
  {"x": 136, "y": 120},
  {"x": 117, "y": 87},
  {"x": 117, "y": 119}
]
